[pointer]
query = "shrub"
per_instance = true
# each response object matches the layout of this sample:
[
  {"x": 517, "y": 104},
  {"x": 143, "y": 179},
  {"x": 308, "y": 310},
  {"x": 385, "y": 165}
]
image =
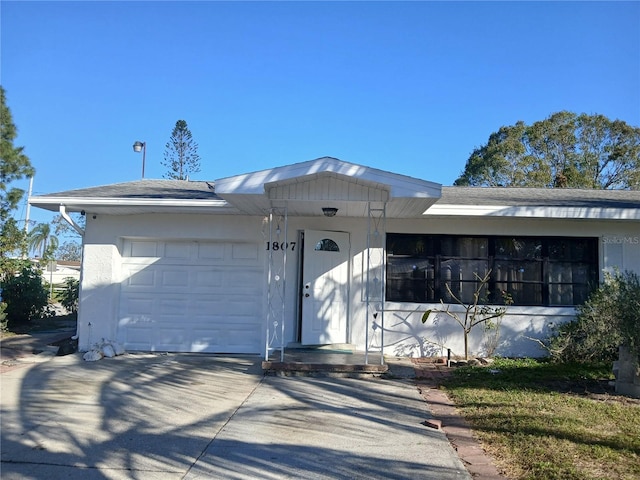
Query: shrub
[
  {"x": 3, "y": 317},
  {"x": 69, "y": 297},
  {"x": 609, "y": 318},
  {"x": 25, "y": 296}
]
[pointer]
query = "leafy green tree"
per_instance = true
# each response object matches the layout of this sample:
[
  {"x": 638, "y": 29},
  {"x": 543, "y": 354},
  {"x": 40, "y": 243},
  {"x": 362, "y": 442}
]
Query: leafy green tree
[
  {"x": 69, "y": 251},
  {"x": 181, "y": 153},
  {"x": 62, "y": 228},
  {"x": 25, "y": 296},
  {"x": 14, "y": 165},
  {"x": 70, "y": 295},
  {"x": 12, "y": 241},
  {"x": 564, "y": 150},
  {"x": 42, "y": 240}
]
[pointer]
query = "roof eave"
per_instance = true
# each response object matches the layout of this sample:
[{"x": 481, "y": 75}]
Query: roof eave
[
  {"x": 553, "y": 212},
  {"x": 127, "y": 206}
]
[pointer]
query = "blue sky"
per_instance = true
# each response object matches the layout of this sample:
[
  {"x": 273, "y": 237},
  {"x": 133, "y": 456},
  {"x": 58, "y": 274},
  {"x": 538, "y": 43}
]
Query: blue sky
[{"x": 409, "y": 87}]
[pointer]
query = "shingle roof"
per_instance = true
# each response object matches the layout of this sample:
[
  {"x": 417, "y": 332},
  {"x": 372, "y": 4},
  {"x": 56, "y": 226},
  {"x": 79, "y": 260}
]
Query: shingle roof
[
  {"x": 195, "y": 190},
  {"x": 168, "y": 189},
  {"x": 199, "y": 196},
  {"x": 547, "y": 197}
]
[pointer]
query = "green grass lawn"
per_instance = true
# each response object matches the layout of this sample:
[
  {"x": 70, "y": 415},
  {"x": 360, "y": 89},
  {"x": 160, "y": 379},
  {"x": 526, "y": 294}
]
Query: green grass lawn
[{"x": 545, "y": 421}]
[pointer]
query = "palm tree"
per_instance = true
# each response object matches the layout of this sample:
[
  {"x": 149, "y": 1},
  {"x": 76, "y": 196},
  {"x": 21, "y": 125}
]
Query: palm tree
[{"x": 41, "y": 240}]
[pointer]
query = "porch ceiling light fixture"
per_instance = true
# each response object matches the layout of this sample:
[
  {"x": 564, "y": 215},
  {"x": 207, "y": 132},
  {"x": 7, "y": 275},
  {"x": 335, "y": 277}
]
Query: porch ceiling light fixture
[{"x": 329, "y": 211}]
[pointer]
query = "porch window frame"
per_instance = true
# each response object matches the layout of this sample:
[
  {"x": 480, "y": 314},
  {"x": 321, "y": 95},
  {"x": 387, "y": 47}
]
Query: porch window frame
[{"x": 429, "y": 265}]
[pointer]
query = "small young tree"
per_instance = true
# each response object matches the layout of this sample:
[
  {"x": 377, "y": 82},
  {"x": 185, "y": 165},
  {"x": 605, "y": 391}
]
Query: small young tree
[
  {"x": 475, "y": 313},
  {"x": 181, "y": 153}
]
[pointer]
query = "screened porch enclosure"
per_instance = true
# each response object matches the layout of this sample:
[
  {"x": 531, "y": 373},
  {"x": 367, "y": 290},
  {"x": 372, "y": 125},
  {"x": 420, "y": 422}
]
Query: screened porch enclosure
[{"x": 535, "y": 271}]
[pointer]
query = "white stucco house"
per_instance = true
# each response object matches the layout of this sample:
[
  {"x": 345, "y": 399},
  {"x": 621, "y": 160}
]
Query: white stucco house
[
  {"x": 329, "y": 252},
  {"x": 57, "y": 272}
]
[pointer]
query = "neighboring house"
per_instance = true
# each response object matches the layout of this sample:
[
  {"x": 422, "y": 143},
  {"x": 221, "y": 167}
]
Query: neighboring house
[
  {"x": 328, "y": 252},
  {"x": 57, "y": 271}
]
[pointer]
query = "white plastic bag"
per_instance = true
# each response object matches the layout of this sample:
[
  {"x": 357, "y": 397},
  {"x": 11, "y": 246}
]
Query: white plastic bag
[
  {"x": 92, "y": 356},
  {"x": 108, "y": 351},
  {"x": 119, "y": 349}
]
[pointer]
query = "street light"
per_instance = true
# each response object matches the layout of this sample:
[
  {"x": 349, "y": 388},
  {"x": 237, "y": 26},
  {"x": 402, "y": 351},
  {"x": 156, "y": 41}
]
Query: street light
[{"x": 141, "y": 146}]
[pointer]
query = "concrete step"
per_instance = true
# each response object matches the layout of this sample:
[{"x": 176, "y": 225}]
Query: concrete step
[
  {"x": 322, "y": 369},
  {"x": 336, "y": 347}
]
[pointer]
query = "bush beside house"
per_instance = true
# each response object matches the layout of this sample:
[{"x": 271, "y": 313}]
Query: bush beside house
[
  {"x": 25, "y": 296},
  {"x": 606, "y": 328}
]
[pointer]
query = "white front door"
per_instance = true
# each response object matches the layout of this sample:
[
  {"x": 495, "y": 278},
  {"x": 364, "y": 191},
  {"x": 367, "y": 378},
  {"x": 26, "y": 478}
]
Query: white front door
[{"x": 325, "y": 287}]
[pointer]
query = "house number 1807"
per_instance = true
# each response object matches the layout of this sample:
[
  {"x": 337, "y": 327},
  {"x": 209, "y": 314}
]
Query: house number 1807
[{"x": 281, "y": 246}]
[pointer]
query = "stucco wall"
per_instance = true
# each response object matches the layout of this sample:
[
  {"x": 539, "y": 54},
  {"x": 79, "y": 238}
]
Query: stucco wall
[{"x": 404, "y": 332}]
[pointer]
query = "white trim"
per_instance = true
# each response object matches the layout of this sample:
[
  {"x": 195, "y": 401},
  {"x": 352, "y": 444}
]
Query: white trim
[
  {"x": 126, "y": 202},
  {"x": 256, "y": 182},
  {"x": 587, "y": 213}
]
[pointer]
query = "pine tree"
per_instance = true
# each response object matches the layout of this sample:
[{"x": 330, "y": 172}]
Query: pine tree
[
  {"x": 181, "y": 153},
  {"x": 14, "y": 165}
]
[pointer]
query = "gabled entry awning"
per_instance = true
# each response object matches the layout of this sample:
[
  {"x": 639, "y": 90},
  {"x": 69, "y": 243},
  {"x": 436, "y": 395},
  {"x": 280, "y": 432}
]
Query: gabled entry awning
[{"x": 328, "y": 182}]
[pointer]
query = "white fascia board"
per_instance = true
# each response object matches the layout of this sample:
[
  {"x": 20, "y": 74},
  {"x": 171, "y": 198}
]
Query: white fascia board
[
  {"x": 587, "y": 213},
  {"x": 254, "y": 183},
  {"x": 45, "y": 202},
  {"x": 401, "y": 186}
]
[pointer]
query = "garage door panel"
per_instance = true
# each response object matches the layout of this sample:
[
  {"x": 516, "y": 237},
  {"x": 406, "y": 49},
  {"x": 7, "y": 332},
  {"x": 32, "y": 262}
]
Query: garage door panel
[
  {"x": 137, "y": 335},
  {"x": 138, "y": 306},
  {"x": 171, "y": 338},
  {"x": 224, "y": 341},
  {"x": 238, "y": 340},
  {"x": 175, "y": 307},
  {"x": 211, "y": 251},
  {"x": 244, "y": 252},
  {"x": 207, "y": 307},
  {"x": 143, "y": 278},
  {"x": 141, "y": 249},
  {"x": 226, "y": 304},
  {"x": 174, "y": 278},
  {"x": 196, "y": 297},
  {"x": 242, "y": 279},
  {"x": 177, "y": 250},
  {"x": 208, "y": 278}
]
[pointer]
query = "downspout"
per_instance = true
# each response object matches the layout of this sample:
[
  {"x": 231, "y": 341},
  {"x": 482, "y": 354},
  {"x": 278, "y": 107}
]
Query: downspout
[
  {"x": 77, "y": 228},
  {"x": 65, "y": 215}
]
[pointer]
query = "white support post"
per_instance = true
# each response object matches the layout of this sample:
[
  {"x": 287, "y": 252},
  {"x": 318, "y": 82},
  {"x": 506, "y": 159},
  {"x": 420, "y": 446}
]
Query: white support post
[
  {"x": 276, "y": 280},
  {"x": 375, "y": 274}
]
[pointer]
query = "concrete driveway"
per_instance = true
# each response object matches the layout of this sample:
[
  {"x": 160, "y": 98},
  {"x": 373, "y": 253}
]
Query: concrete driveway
[{"x": 148, "y": 416}]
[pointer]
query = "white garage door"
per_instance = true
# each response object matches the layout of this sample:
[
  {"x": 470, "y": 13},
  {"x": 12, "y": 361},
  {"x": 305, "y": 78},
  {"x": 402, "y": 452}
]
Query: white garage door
[{"x": 191, "y": 297}]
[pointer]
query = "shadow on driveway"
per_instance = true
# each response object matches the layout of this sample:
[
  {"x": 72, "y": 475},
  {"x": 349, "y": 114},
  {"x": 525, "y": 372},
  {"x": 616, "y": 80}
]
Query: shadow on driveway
[{"x": 170, "y": 416}]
